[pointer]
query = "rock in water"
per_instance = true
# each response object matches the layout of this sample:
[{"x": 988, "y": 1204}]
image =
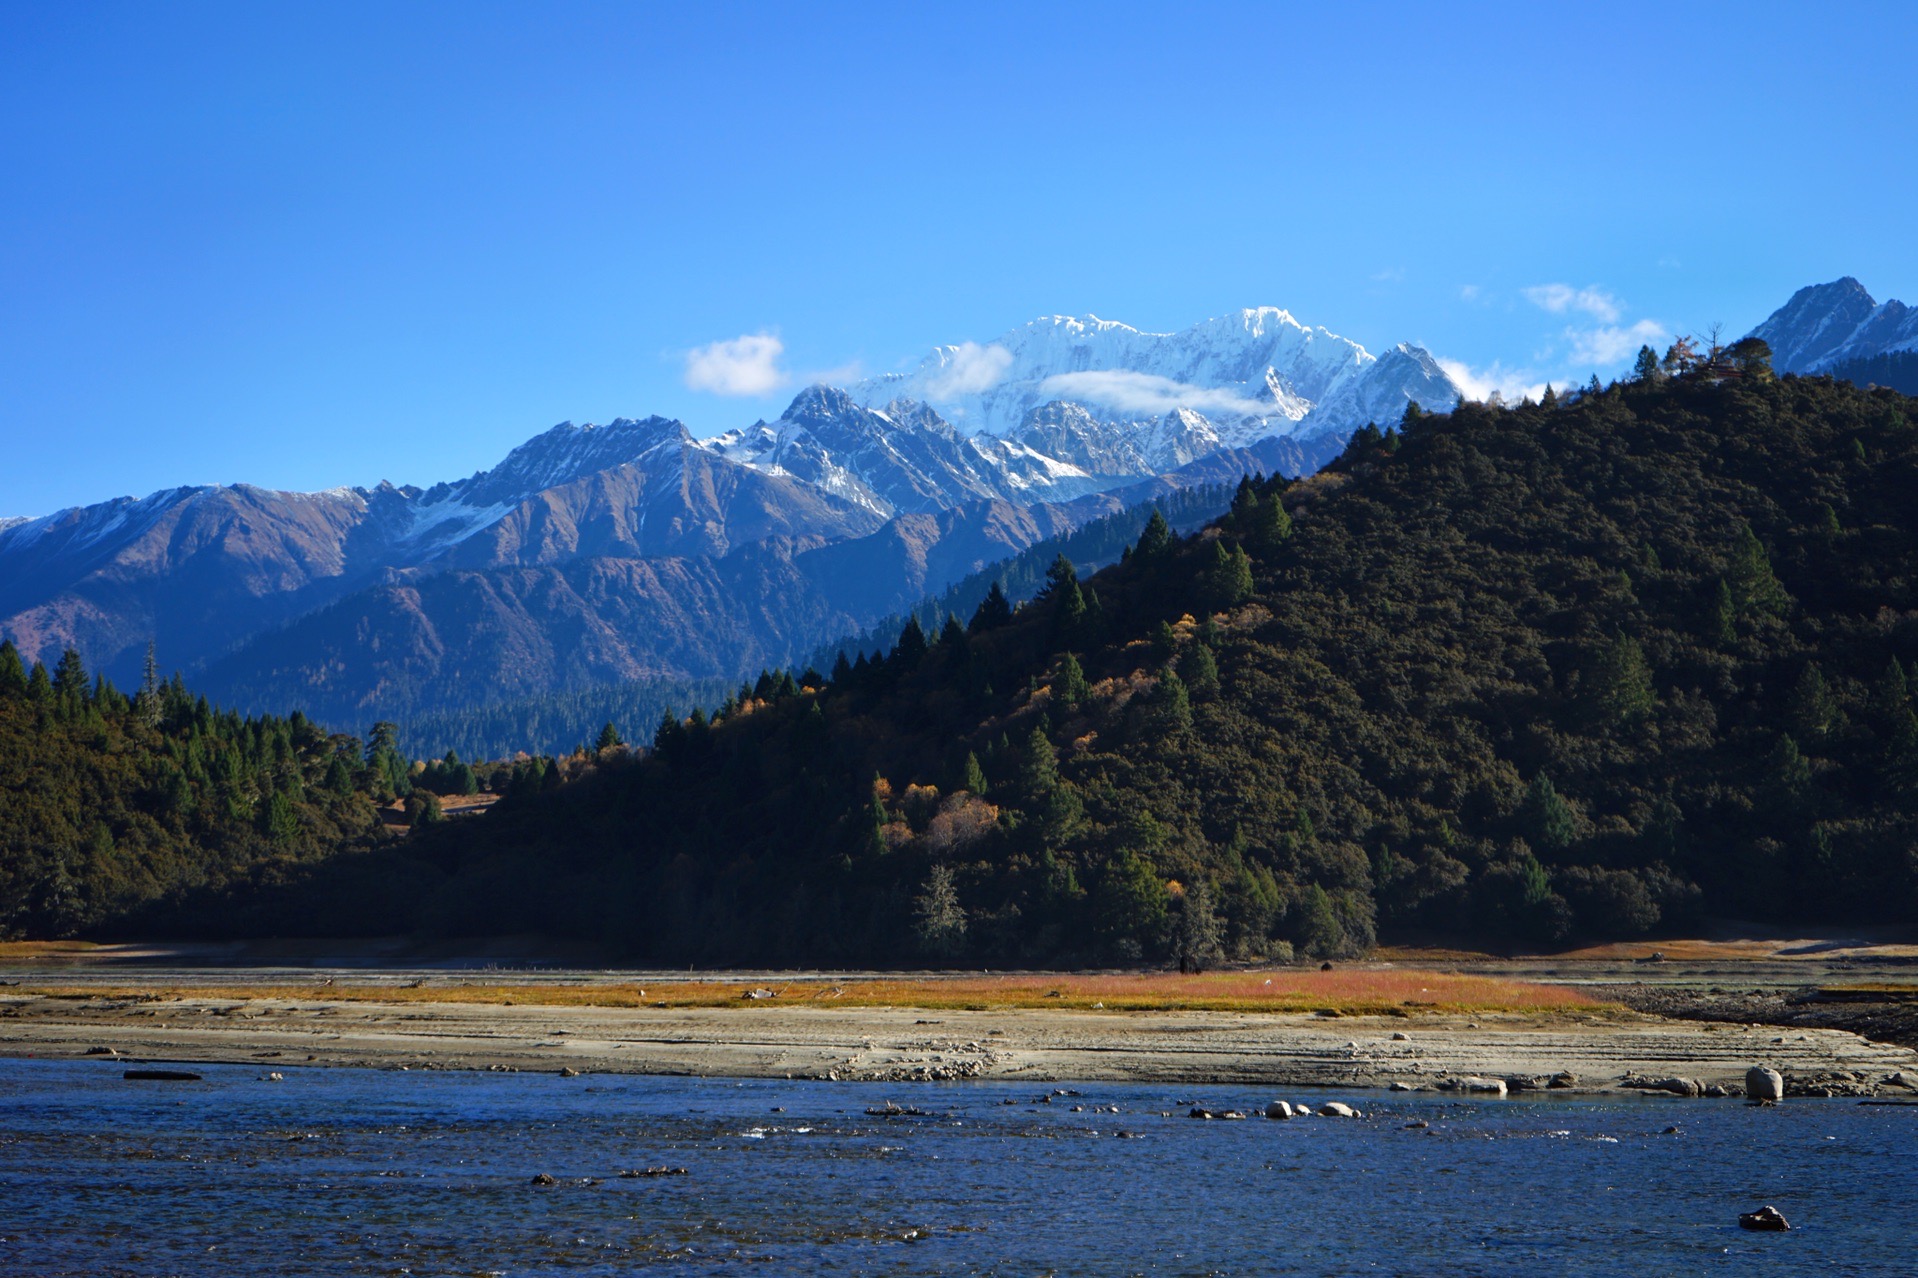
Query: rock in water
[
  {"x": 1278, "y": 1109},
  {"x": 1765, "y": 1218},
  {"x": 543, "y": 1180},
  {"x": 1764, "y": 1086},
  {"x": 1477, "y": 1086},
  {"x": 1337, "y": 1109}
]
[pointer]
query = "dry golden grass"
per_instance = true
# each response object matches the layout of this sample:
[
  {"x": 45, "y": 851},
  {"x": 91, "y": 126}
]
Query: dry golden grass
[
  {"x": 1354, "y": 992},
  {"x": 15, "y": 950}
]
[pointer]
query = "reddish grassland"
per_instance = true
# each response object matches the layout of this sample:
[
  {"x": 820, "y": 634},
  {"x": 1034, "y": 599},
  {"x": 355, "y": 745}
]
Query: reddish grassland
[{"x": 1356, "y": 991}]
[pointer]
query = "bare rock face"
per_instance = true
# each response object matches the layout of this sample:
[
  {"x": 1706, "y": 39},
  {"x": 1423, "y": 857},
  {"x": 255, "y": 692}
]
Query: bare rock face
[{"x": 1764, "y": 1086}]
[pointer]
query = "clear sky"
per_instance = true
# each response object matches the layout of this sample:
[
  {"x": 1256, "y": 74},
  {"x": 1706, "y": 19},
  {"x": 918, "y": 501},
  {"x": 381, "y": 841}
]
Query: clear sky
[{"x": 309, "y": 245}]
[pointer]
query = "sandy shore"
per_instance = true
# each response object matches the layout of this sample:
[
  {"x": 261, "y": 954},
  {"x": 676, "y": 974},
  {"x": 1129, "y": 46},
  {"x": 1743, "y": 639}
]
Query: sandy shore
[{"x": 1601, "y": 1049}]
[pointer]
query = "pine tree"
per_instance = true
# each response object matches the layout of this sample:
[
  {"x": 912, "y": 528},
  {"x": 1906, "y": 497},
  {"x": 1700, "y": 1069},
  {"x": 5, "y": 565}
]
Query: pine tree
[
  {"x": 994, "y": 610},
  {"x": 1623, "y": 682},
  {"x": 1900, "y": 766},
  {"x": 911, "y": 646},
  {"x": 1197, "y": 929},
  {"x": 1156, "y": 540},
  {"x": 609, "y": 738},
  {"x": 1067, "y": 600},
  {"x": 148, "y": 701},
  {"x": 1228, "y": 578},
  {"x": 13, "y": 672},
  {"x": 1546, "y": 818},
  {"x": 1724, "y": 616},
  {"x": 1172, "y": 703},
  {"x": 841, "y": 670},
  {"x": 975, "y": 776},
  {"x": 1200, "y": 670},
  {"x": 1787, "y": 774},
  {"x": 1070, "y": 689},
  {"x": 70, "y": 679},
  {"x": 1890, "y": 695},
  {"x": 1646, "y": 368},
  {"x": 1812, "y": 712},
  {"x": 1754, "y": 587},
  {"x": 939, "y": 922}
]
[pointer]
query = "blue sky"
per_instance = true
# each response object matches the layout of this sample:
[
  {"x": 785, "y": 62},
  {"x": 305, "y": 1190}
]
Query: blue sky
[{"x": 302, "y": 246}]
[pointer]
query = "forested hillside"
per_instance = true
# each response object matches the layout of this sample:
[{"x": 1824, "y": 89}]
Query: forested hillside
[
  {"x": 1513, "y": 675},
  {"x": 119, "y": 810}
]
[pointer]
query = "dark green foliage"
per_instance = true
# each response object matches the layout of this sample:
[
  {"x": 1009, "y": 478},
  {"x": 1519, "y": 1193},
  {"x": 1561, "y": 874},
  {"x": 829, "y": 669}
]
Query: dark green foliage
[{"x": 123, "y": 814}]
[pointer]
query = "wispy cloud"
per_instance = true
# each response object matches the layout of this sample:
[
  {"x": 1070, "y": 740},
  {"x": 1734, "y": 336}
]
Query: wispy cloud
[
  {"x": 1561, "y": 299},
  {"x": 1390, "y": 275},
  {"x": 1479, "y": 383},
  {"x": 743, "y": 366},
  {"x": 1145, "y": 393},
  {"x": 969, "y": 369},
  {"x": 1612, "y": 344},
  {"x": 1470, "y": 292}
]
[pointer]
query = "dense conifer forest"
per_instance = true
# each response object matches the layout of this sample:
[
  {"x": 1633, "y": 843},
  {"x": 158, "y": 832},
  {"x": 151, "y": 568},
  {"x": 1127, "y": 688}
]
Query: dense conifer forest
[
  {"x": 1594, "y": 667},
  {"x": 118, "y": 811}
]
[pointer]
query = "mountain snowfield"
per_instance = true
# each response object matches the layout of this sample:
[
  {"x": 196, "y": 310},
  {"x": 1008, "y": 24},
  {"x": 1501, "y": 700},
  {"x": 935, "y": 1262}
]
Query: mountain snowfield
[{"x": 1168, "y": 398}]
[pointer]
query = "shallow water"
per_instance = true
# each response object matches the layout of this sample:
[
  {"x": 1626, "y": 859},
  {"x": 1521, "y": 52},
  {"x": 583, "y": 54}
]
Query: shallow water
[{"x": 385, "y": 1172}]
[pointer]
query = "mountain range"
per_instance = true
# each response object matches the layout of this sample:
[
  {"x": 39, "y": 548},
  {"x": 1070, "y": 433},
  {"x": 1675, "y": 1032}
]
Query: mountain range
[{"x": 632, "y": 550}]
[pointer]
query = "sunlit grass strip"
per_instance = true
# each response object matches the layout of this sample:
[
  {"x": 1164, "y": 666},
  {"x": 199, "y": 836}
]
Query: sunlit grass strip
[{"x": 1354, "y": 992}]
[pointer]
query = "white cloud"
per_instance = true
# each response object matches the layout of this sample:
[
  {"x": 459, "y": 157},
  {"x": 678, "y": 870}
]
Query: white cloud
[
  {"x": 1145, "y": 393},
  {"x": 744, "y": 366},
  {"x": 1470, "y": 292},
  {"x": 1561, "y": 298},
  {"x": 970, "y": 368},
  {"x": 1511, "y": 384},
  {"x": 1613, "y": 344}
]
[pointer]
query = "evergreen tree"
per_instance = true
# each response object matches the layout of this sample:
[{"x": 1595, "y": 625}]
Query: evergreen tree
[
  {"x": 1890, "y": 695},
  {"x": 1754, "y": 587},
  {"x": 975, "y": 775},
  {"x": 1197, "y": 929},
  {"x": 1812, "y": 712},
  {"x": 1900, "y": 767},
  {"x": 1546, "y": 818},
  {"x": 149, "y": 696},
  {"x": 13, "y": 672},
  {"x": 911, "y": 646},
  {"x": 1724, "y": 616},
  {"x": 609, "y": 739},
  {"x": 939, "y": 922},
  {"x": 1646, "y": 369},
  {"x": 70, "y": 679},
  {"x": 1200, "y": 670},
  {"x": 1156, "y": 540},
  {"x": 1069, "y": 688},
  {"x": 1623, "y": 683},
  {"x": 993, "y": 611},
  {"x": 1129, "y": 905},
  {"x": 1228, "y": 576}
]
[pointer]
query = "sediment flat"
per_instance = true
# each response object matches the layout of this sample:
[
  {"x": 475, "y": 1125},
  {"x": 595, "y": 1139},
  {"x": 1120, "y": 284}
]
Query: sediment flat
[{"x": 1601, "y": 1048}]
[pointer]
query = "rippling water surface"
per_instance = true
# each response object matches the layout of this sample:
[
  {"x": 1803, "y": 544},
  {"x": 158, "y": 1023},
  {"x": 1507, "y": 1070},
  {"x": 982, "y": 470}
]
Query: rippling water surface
[{"x": 384, "y": 1172}]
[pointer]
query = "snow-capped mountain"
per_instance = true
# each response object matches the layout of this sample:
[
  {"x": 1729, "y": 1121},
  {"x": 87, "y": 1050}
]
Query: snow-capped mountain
[
  {"x": 903, "y": 458},
  {"x": 1091, "y": 391},
  {"x": 1827, "y": 326}
]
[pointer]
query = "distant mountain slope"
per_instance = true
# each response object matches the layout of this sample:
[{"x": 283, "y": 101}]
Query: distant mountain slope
[
  {"x": 1827, "y": 326},
  {"x": 200, "y": 570}
]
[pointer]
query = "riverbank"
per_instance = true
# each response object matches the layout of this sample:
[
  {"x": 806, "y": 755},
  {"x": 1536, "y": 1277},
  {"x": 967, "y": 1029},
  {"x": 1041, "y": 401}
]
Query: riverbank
[{"x": 1596, "y": 1048}]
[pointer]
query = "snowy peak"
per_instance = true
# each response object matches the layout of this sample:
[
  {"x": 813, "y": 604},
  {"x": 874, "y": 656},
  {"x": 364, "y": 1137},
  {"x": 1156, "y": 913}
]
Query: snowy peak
[
  {"x": 565, "y": 453},
  {"x": 1103, "y": 395},
  {"x": 1805, "y": 333},
  {"x": 904, "y": 458}
]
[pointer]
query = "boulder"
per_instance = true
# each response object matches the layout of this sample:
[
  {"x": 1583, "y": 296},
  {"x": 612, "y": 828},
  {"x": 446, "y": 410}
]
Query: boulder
[
  {"x": 1564, "y": 1078},
  {"x": 1337, "y": 1109},
  {"x": 1764, "y": 1086},
  {"x": 543, "y": 1180},
  {"x": 1476, "y": 1086},
  {"x": 1403, "y": 1087},
  {"x": 1278, "y": 1109},
  {"x": 1765, "y": 1218},
  {"x": 1686, "y": 1087}
]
